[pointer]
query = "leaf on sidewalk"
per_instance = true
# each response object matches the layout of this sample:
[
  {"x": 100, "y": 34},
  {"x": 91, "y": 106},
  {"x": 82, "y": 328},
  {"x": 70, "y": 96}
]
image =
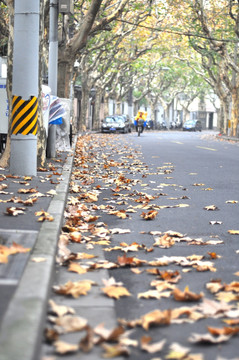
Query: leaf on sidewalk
[
  {"x": 75, "y": 289},
  {"x": 60, "y": 310},
  {"x": 62, "y": 347}
]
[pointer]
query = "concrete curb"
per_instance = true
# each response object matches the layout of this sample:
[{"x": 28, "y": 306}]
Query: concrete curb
[{"x": 25, "y": 317}]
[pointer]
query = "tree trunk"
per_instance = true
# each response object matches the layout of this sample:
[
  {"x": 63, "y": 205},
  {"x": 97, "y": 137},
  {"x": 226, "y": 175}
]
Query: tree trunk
[
  {"x": 106, "y": 105},
  {"x": 84, "y": 108},
  {"x": 41, "y": 133},
  {"x": 65, "y": 70},
  {"x": 4, "y": 161},
  {"x": 97, "y": 105},
  {"x": 234, "y": 114}
]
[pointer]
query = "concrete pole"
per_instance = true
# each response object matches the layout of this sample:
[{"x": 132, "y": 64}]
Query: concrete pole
[
  {"x": 23, "y": 158},
  {"x": 52, "y": 70}
]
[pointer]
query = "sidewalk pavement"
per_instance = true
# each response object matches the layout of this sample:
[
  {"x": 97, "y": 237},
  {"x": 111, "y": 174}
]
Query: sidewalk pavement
[{"x": 25, "y": 283}]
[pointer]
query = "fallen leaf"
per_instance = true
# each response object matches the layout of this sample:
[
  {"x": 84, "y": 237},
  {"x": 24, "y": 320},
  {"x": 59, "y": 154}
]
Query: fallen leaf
[
  {"x": 60, "y": 310},
  {"x": 223, "y": 331},
  {"x": 75, "y": 267},
  {"x": 150, "y": 215},
  {"x": 38, "y": 259},
  {"x": 115, "y": 291},
  {"x": 151, "y": 348},
  {"x": 166, "y": 241},
  {"x": 68, "y": 323},
  {"x": 62, "y": 347},
  {"x": 211, "y": 208},
  {"x": 186, "y": 295},
  {"x": 207, "y": 338},
  {"x": 177, "y": 352},
  {"x": 233, "y": 232},
  {"x": 156, "y": 317},
  {"x": 15, "y": 211},
  {"x": 112, "y": 351},
  {"x": 74, "y": 289}
]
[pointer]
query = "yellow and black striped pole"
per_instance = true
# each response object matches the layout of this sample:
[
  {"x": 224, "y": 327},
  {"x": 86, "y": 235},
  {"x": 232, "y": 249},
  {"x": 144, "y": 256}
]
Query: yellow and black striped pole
[
  {"x": 24, "y": 116},
  {"x": 25, "y": 88}
]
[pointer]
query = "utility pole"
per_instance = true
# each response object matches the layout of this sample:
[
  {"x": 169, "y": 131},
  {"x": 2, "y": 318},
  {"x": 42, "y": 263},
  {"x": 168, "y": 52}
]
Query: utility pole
[
  {"x": 52, "y": 71},
  {"x": 24, "y": 116}
]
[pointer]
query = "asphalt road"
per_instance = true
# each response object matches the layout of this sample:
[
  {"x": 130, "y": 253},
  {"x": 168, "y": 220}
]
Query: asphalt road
[
  {"x": 182, "y": 173},
  {"x": 195, "y": 159}
]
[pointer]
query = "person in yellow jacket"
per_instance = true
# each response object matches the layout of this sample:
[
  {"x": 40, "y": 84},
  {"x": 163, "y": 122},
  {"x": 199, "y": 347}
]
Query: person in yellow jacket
[{"x": 141, "y": 116}]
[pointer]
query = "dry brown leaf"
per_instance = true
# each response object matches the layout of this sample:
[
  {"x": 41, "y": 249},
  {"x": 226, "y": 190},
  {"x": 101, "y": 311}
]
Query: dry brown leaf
[
  {"x": 68, "y": 323},
  {"x": 156, "y": 317},
  {"x": 15, "y": 211},
  {"x": 211, "y": 208},
  {"x": 166, "y": 241},
  {"x": 115, "y": 291},
  {"x": 74, "y": 289},
  {"x": 151, "y": 348},
  {"x": 87, "y": 342},
  {"x": 60, "y": 310},
  {"x": 223, "y": 331},
  {"x": 62, "y": 347},
  {"x": 186, "y": 295},
  {"x": 150, "y": 215},
  {"x": 177, "y": 352},
  {"x": 207, "y": 338},
  {"x": 233, "y": 232},
  {"x": 227, "y": 296},
  {"x": 112, "y": 351},
  {"x": 111, "y": 335},
  {"x": 75, "y": 267},
  {"x": 155, "y": 294}
]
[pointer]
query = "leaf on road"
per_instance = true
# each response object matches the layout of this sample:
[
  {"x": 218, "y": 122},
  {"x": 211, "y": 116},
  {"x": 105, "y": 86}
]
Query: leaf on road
[
  {"x": 233, "y": 232},
  {"x": 231, "y": 202},
  {"x": 156, "y": 317},
  {"x": 223, "y": 331},
  {"x": 119, "y": 231},
  {"x": 208, "y": 338},
  {"x": 15, "y": 211},
  {"x": 186, "y": 295},
  {"x": 166, "y": 241},
  {"x": 211, "y": 208},
  {"x": 115, "y": 291},
  {"x": 154, "y": 294},
  {"x": 177, "y": 352},
  {"x": 150, "y": 215},
  {"x": 215, "y": 222},
  {"x": 151, "y": 348},
  {"x": 112, "y": 351}
]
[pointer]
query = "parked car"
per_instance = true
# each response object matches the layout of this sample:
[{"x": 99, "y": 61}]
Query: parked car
[
  {"x": 192, "y": 125},
  {"x": 109, "y": 124},
  {"x": 122, "y": 123}
]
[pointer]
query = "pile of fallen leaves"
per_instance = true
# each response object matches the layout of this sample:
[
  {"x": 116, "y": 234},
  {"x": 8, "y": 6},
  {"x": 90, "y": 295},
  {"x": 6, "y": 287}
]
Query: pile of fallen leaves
[{"x": 95, "y": 174}]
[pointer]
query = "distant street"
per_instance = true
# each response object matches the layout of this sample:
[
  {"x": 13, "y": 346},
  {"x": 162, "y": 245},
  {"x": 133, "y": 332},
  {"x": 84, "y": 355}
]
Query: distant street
[{"x": 182, "y": 182}]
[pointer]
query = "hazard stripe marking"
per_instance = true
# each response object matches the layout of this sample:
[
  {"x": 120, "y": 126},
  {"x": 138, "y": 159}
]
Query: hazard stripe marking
[{"x": 24, "y": 116}]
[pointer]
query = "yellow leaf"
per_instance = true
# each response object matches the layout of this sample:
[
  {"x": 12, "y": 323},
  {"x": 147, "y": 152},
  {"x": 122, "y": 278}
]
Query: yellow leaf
[{"x": 115, "y": 291}]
